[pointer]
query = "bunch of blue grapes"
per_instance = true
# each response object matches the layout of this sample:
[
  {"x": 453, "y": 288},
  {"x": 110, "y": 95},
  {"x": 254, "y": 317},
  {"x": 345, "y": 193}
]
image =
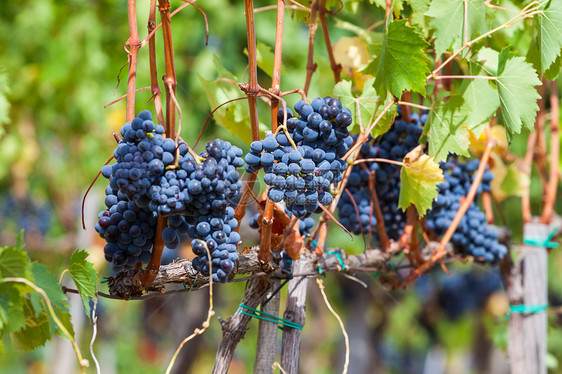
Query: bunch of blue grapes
[
  {"x": 302, "y": 160},
  {"x": 359, "y": 218},
  {"x": 473, "y": 236},
  {"x": 199, "y": 195},
  {"x": 33, "y": 216},
  {"x": 198, "y": 187},
  {"x": 141, "y": 155},
  {"x": 128, "y": 230},
  {"x": 156, "y": 176}
]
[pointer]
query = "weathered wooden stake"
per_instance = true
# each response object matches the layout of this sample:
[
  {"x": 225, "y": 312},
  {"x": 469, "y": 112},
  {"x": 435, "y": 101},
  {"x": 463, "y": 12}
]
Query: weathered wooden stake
[
  {"x": 267, "y": 332},
  {"x": 295, "y": 312},
  {"x": 527, "y": 286}
]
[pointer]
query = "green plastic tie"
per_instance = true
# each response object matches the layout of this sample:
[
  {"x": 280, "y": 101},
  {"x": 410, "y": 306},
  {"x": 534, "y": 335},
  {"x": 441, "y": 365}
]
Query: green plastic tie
[
  {"x": 338, "y": 255},
  {"x": 268, "y": 317},
  {"x": 103, "y": 281},
  {"x": 390, "y": 265},
  {"x": 542, "y": 243},
  {"x": 192, "y": 283},
  {"x": 526, "y": 309}
]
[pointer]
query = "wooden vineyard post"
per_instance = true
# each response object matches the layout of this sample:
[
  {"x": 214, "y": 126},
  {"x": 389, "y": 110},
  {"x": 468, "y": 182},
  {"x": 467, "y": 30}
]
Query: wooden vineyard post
[
  {"x": 295, "y": 312},
  {"x": 267, "y": 331},
  {"x": 527, "y": 287}
]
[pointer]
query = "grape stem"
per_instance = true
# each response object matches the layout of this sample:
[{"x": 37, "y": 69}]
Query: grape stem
[
  {"x": 277, "y": 58},
  {"x": 408, "y": 238},
  {"x": 170, "y": 82},
  {"x": 170, "y": 72},
  {"x": 414, "y": 105},
  {"x": 357, "y": 162},
  {"x": 540, "y": 147},
  {"x": 124, "y": 96},
  {"x": 487, "y": 205},
  {"x": 358, "y": 217},
  {"x": 405, "y": 108},
  {"x": 526, "y": 167},
  {"x": 552, "y": 186},
  {"x": 251, "y": 93},
  {"x": 385, "y": 242},
  {"x": 310, "y": 65},
  {"x": 265, "y": 232},
  {"x": 336, "y": 68},
  {"x": 152, "y": 31},
  {"x": 88, "y": 190},
  {"x": 158, "y": 247},
  {"x": 154, "y": 85},
  {"x": 134, "y": 45}
]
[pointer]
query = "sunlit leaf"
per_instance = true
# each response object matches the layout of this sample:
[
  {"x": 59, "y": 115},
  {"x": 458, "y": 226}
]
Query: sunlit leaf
[
  {"x": 518, "y": 96},
  {"x": 451, "y": 19},
  {"x": 419, "y": 178},
  {"x": 402, "y": 64},
  {"x": 84, "y": 276}
]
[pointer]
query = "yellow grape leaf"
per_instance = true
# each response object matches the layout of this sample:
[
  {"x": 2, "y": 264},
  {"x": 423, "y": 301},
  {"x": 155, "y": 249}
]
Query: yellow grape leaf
[
  {"x": 419, "y": 178},
  {"x": 352, "y": 53},
  {"x": 478, "y": 144}
]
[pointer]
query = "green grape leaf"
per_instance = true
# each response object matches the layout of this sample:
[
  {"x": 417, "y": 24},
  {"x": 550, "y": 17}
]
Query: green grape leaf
[
  {"x": 419, "y": 178},
  {"x": 547, "y": 45},
  {"x": 370, "y": 106},
  {"x": 11, "y": 308},
  {"x": 499, "y": 17},
  {"x": 480, "y": 98},
  {"x": 517, "y": 94},
  {"x": 84, "y": 276},
  {"x": 402, "y": 63},
  {"x": 553, "y": 71},
  {"x": 14, "y": 263},
  {"x": 447, "y": 129},
  {"x": 397, "y": 5},
  {"x": 449, "y": 22},
  {"x": 419, "y": 8},
  {"x": 37, "y": 330},
  {"x": 488, "y": 59},
  {"x": 367, "y": 101},
  {"x": 48, "y": 283},
  {"x": 386, "y": 121},
  {"x": 233, "y": 116}
]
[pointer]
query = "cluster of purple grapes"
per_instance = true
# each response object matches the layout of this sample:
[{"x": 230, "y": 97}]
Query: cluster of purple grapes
[
  {"x": 128, "y": 230},
  {"x": 359, "y": 218},
  {"x": 199, "y": 186},
  {"x": 33, "y": 216},
  {"x": 215, "y": 232},
  {"x": 473, "y": 236},
  {"x": 193, "y": 191},
  {"x": 303, "y": 160},
  {"x": 141, "y": 155}
]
